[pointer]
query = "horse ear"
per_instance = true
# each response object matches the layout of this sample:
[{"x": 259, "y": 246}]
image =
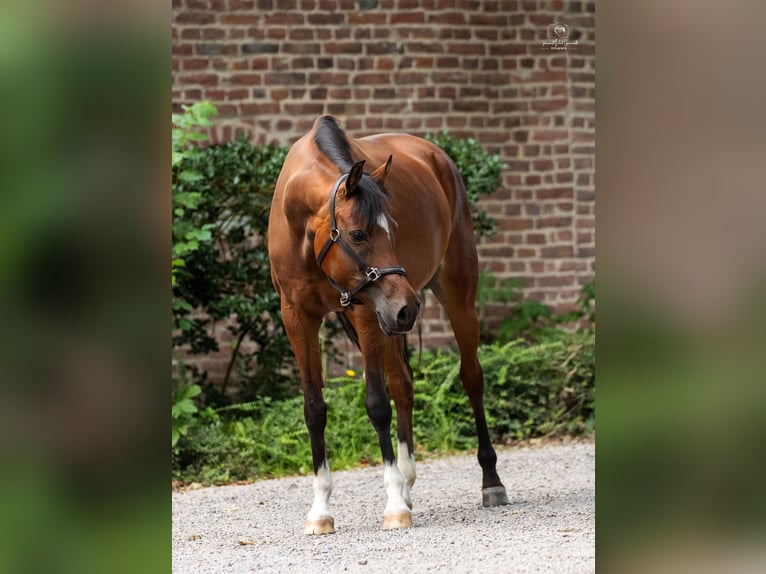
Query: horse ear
[
  {"x": 379, "y": 175},
  {"x": 354, "y": 177}
]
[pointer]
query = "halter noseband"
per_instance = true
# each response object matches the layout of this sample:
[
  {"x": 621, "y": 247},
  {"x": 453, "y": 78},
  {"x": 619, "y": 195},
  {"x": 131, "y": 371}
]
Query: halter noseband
[{"x": 371, "y": 274}]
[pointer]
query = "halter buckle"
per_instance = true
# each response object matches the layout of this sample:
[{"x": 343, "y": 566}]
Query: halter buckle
[
  {"x": 334, "y": 234},
  {"x": 345, "y": 299},
  {"x": 372, "y": 274}
]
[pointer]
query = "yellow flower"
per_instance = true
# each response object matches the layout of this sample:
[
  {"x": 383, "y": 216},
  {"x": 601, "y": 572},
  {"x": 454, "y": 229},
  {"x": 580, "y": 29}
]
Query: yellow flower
[{"x": 350, "y": 373}]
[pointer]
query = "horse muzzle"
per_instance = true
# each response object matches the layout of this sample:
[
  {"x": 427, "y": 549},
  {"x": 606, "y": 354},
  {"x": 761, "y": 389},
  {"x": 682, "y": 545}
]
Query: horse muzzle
[{"x": 398, "y": 321}]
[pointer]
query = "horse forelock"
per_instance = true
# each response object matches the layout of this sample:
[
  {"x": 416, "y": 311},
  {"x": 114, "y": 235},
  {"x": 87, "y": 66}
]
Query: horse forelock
[{"x": 370, "y": 203}]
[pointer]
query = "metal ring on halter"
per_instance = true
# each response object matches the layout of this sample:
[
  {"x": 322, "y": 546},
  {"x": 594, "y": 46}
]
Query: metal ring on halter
[{"x": 372, "y": 274}]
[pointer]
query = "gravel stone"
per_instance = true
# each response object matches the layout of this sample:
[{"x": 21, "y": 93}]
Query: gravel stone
[{"x": 549, "y": 525}]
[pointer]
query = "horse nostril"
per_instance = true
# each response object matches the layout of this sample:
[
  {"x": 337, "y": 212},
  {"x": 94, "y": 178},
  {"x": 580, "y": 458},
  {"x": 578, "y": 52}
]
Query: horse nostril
[{"x": 406, "y": 317}]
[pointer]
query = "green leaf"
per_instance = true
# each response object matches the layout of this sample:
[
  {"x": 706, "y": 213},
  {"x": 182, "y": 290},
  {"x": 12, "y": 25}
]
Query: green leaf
[{"x": 189, "y": 176}]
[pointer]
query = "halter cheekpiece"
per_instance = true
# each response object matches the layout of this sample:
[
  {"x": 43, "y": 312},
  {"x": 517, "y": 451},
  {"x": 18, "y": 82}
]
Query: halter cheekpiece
[{"x": 371, "y": 274}]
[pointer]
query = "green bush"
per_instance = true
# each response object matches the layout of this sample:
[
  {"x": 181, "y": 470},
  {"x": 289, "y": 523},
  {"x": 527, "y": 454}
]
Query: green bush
[
  {"x": 531, "y": 319},
  {"x": 183, "y": 410},
  {"x": 228, "y": 278},
  {"x": 545, "y": 389},
  {"x": 186, "y": 237}
]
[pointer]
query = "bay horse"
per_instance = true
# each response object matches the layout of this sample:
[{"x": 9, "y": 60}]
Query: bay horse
[{"x": 363, "y": 245}]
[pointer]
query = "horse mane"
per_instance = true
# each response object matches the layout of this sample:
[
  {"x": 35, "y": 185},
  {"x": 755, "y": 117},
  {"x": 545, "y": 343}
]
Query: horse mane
[{"x": 371, "y": 200}]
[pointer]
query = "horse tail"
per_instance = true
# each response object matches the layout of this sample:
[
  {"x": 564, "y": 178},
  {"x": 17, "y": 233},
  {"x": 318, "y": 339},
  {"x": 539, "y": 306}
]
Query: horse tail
[{"x": 349, "y": 329}]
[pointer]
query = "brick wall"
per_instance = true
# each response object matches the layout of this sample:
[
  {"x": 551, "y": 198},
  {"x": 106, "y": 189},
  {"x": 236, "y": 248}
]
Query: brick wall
[{"x": 477, "y": 68}]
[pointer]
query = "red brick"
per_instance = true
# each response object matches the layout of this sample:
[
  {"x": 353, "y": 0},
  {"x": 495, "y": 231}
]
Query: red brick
[
  {"x": 301, "y": 48},
  {"x": 466, "y": 48},
  {"x": 545, "y": 222},
  {"x": 325, "y": 18},
  {"x": 408, "y": 18},
  {"x": 372, "y": 78},
  {"x": 556, "y": 281},
  {"x": 409, "y": 77},
  {"x": 284, "y": 19},
  {"x": 557, "y": 251},
  {"x": 549, "y": 135},
  {"x": 393, "y": 107},
  {"x": 246, "y": 79},
  {"x": 199, "y": 79},
  {"x": 198, "y": 18},
  {"x": 515, "y": 224},
  {"x": 548, "y": 105},
  {"x": 329, "y": 78},
  {"x": 449, "y": 18},
  {"x": 239, "y": 20},
  {"x": 471, "y": 106},
  {"x": 342, "y": 48},
  {"x": 260, "y": 109},
  {"x": 554, "y": 193},
  {"x": 347, "y": 108},
  {"x": 304, "y": 108},
  {"x": 281, "y": 79},
  {"x": 195, "y": 63}
]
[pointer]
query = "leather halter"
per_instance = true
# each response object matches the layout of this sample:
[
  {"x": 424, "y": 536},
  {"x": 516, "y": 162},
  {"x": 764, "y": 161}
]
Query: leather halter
[{"x": 371, "y": 274}]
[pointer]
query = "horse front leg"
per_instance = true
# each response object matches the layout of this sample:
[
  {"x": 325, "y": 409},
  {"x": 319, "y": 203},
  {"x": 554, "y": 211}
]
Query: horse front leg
[
  {"x": 303, "y": 332},
  {"x": 402, "y": 392},
  {"x": 397, "y": 512}
]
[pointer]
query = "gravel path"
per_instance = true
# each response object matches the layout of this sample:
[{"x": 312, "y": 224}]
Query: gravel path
[{"x": 549, "y": 525}]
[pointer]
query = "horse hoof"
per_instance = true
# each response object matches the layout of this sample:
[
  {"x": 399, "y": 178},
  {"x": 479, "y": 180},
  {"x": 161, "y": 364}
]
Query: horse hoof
[
  {"x": 397, "y": 520},
  {"x": 494, "y": 496},
  {"x": 324, "y": 525}
]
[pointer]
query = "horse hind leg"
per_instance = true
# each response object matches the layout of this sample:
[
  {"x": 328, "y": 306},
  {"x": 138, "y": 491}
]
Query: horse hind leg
[{"x": 457, "y": 294}]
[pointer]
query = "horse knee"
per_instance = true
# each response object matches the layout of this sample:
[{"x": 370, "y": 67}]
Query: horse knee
[
  {"x": 315, "y": 413},
  {"x": 378, "y": 409}
]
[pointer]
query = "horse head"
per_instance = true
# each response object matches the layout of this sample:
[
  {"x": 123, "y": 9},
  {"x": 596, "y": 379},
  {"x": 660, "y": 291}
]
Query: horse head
[{"x": 364, "y": 268}]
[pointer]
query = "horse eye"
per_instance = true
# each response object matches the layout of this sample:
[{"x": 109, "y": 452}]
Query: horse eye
[{"x": 358, "y": 236}]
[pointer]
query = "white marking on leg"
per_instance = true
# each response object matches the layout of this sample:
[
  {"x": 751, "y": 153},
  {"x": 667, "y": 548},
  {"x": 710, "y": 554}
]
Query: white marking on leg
[
  {"x": 406, "y": 462},
  {"x": 394, "y": 481},
  {"x": 322, "y": 492}
]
